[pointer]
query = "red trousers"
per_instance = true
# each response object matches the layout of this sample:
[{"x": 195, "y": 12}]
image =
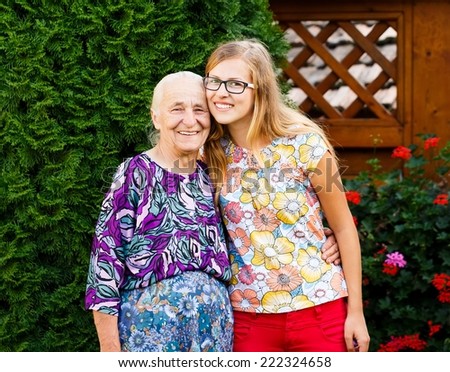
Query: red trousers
[{"x": 319, "y": 328}]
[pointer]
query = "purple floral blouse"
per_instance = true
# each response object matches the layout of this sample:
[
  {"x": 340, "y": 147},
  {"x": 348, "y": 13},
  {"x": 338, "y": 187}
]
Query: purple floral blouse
[{"x": 153, "y": 225}]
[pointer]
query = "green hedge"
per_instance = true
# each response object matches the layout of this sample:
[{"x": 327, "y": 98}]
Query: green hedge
[{"x": 76, "y": 78}]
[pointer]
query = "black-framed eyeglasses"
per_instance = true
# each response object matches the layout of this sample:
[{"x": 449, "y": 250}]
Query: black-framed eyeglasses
[{"x": 232, "y": 86}]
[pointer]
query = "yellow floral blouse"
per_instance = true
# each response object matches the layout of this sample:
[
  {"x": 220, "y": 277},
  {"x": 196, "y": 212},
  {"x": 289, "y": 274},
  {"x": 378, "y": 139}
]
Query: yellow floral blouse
[{"x": 274, "y": 223}]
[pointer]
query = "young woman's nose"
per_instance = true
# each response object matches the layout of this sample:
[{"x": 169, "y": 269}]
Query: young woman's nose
[{"x": 222, "y": 91}]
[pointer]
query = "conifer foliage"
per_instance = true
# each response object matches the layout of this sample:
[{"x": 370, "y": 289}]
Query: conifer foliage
[{"x": 76, "y": 77}]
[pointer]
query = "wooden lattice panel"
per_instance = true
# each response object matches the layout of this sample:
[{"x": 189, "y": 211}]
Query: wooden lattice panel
[
  {"x": 344, "y": 53},
  {"x": 350, "y": 68}
]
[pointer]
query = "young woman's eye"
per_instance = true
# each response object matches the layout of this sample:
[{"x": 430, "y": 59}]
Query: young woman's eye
[{"x": 235, "y": 84}]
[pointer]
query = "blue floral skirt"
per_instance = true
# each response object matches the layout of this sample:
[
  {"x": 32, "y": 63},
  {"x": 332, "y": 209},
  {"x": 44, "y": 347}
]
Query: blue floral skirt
[{"x": 188, "y": 312}]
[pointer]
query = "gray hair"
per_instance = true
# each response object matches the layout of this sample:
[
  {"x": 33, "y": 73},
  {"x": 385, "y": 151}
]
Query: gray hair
[{"x": 158, "y": 92}]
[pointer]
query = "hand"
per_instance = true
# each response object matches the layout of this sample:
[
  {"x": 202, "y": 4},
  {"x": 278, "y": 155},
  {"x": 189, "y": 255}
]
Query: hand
[
  {"x": 356, "y": 335},
  {"x": 330, "y": 249}
]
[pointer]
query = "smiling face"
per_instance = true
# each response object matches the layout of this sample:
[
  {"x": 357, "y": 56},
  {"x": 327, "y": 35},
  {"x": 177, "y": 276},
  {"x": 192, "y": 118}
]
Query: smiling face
[
  {"x": 235, "y": 110},
  {"x": 181, "y": 115}
]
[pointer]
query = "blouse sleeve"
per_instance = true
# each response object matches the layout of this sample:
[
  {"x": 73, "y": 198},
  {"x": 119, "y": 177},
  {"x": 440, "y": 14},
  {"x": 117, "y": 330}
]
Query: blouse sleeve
[
  {"x": 311, "y": 149},
  {"x": 114, "y": 229}
]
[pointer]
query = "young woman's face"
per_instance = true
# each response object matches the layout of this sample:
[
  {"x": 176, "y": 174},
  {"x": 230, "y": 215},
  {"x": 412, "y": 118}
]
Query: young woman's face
[{"x": 228, "y": 108}]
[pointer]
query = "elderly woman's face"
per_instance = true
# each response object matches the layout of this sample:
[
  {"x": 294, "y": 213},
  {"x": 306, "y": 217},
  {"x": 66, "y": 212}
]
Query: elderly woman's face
[{"x": 183, "y": 117}]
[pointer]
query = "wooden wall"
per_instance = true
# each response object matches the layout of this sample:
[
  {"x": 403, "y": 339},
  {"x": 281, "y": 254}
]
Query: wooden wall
[{"x": 431, "y": 67}]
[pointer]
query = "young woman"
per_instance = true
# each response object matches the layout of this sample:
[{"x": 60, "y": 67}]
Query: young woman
[{"x": 276, "y": 174}]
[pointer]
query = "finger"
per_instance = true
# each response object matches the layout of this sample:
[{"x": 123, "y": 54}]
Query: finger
[
  {"x": 333, "y": 255},
  {"x": 363, "y": 345},
  {"x": 330, "y": 246},
  {"x": 349, "y": 344}
]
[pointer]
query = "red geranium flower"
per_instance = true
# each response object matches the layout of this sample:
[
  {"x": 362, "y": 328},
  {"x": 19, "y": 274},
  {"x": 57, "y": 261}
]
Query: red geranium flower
[
  {"x": 383, "y": 249},
  {"x": 444, "y": 297},
  {"x": 441, "y": 199},
  {"x": 431, "y": 142},
  {"x": 433, "y": 328},
  {"x": 390, "y": 269},
  {"x": 402, "y": 152},
  {"x": 441, "y": 281},
  {"x": 353, "y": 197},
  {"x": 408, "y": 342}
]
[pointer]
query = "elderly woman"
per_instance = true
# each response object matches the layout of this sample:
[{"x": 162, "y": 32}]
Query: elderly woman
[{"x": 159, "y": 263}]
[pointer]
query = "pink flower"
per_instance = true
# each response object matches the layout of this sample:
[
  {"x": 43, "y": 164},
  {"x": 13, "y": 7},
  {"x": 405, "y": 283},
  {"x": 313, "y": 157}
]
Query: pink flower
[
  {"x": 396, "y": 259},
  {"x": 246, "y": 275},
  {"x": 233, "y": 212},
  {"x": 402, "y": 152}
]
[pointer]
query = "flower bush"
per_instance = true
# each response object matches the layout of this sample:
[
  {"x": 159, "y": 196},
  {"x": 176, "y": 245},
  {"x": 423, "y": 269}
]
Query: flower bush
[{"x": 403, "y": 219}]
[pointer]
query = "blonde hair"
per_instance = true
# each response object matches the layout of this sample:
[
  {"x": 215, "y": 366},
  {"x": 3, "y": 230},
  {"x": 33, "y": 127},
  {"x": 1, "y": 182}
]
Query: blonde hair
[{"x": 272, "y": 117}]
